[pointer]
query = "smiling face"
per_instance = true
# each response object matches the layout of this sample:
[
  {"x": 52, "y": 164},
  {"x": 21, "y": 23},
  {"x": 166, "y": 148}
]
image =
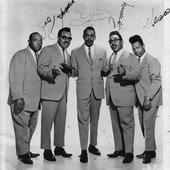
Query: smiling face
[
  {"x": 89, "y": 37},
  {"x": 64, "y": 40},
  {"x": 138, "y": 49},
  {"x": 116, "y": 43},
  {"x": 35, "y": 42}
]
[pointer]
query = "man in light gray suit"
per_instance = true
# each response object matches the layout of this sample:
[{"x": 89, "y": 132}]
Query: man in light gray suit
[
  {"x": 149, "y": 94},
  {"x": 123, "y": 70},
  {"x": 89, "y": 60},
  {"x": 54, "y": 69},
  {"x": 24, "y": 96}
]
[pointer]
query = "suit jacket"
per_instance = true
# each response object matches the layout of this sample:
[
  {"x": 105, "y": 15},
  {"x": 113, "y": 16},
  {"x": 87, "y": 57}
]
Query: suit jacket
[
  {"x": 89, "y": 76},
  {"x": 50, "y": 57},
  {"x": 150, "y": 81},
  {"x": 24, "y": 81},
  {"x": 122, "y": 89}
]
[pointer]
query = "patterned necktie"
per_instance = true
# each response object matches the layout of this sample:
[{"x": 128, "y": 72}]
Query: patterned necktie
[
  {"x": 90, "y": 56},
  {"x": 64, "y": 57}
]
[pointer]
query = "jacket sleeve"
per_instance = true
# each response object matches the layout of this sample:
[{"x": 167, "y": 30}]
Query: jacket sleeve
[
  {"x": 132, "y": 71},
  {"x": 104, "y": 60},
  {"x": 155, "y": 78},
  {"x": 44, "y": 69},
  {"x": 74, "y": 64},
  {"x": 16, "y": 76}
]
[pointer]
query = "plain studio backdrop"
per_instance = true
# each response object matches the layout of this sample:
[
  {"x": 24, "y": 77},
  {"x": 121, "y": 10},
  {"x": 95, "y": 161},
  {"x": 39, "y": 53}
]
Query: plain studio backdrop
[{"x": 19, "y": 18}]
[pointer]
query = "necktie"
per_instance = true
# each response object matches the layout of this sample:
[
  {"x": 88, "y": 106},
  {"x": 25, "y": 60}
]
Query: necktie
[
  {"x": 64, "y": 57},
  {"x": 90, "y": 56},
  {"x": 114, "y": 59},
  {"x": 36, "y": 56},
  {"x": 139, "y": 59}
]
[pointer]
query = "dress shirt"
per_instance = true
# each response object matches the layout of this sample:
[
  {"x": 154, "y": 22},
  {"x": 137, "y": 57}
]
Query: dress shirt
[{"x": 87, "y": 50}]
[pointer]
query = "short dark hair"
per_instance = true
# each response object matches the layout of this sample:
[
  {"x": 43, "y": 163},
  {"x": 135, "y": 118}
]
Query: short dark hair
[
  {"x": 89, "y": 28},
  {"x": 66, "y": 29},
  {"x": 33, "y": 34},
  {"x": 136, "y": 38},
  {"x": 116, "y": 33}
]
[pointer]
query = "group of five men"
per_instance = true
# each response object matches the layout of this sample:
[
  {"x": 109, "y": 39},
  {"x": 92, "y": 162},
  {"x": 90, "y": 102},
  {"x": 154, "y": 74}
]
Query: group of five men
[{"x": 45, "y": 76}]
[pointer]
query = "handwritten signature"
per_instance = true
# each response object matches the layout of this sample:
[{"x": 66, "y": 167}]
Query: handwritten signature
[
  {"x": 122, "y": 13},
  {"x": 89, "y": 18},
  {"x": 154, "y": 20},
  {"x": 63, "y": 12},
  {"x": 47, "y": 26}
]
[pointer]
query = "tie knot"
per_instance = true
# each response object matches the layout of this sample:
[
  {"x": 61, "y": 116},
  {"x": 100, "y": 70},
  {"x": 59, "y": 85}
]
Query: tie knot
[
  {"x": 139, "y": 59},
  {"x": 36, "y": 55}
]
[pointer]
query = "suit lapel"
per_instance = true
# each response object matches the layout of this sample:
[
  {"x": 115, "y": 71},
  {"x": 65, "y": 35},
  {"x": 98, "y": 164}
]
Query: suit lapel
[
  {"x": 95, "y": 54},
  {"x": 58, "y": 52},
  {"x": 144, "y": 62},
  {"x": 84, "y": 54},
  {"x": 120, "y": 58},
  {"x": 31, "y": 57}
]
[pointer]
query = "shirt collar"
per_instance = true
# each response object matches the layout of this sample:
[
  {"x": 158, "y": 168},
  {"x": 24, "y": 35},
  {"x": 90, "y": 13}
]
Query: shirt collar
[
  {"x": 32, "y": 52},
  {"x": 119, "y": 53},
  {"x": 86, "y": 47},
  {"x": 61, "y": 50},
  {"x": 91, "y": 48},
  {"x": 142, "y": 57}
]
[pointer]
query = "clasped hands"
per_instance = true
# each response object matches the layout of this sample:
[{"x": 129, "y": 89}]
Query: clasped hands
[
  {"x": 120, "y": 71},
  {"x": 19, "y": 105},
  {"x": 105, "y": 72},
  {"x": 147, "y": 104},
  {"x": 55, "y": 72},
  {"x": 66, "y": 68}
]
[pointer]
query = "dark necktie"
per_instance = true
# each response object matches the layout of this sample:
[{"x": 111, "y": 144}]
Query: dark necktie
[{"x": 90, "y": 56}]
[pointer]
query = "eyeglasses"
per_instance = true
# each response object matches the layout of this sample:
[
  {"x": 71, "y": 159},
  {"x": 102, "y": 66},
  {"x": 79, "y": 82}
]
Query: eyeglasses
[
  {"x": 66, "y": 38},
  {"x": 114, "y": 40}
]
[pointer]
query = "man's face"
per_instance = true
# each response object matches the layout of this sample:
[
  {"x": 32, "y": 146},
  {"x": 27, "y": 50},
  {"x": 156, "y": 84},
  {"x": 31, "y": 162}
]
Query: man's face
[
  {"x": 138, "y": 49},
  {"x": 64, "y": 40},
  {"x": 115, "y": 43},
  {"x": 89, "y": 37},
  {"x": 36, "y": 42}
]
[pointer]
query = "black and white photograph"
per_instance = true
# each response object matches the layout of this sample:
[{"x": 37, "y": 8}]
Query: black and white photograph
[{"x": 84, "y": 85}]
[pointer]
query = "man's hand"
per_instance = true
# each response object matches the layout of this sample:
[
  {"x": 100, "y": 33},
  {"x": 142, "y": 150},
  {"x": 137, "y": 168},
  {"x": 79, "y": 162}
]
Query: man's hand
[
  {"x": 121, "y": 70},
  {"x": 55, "y": 72},
  {"x": 147, "y": 104},
  {"x": 66, "y": 68},
  {"x": 106, "y": 71},
  {"x": 19, "y": 105}
]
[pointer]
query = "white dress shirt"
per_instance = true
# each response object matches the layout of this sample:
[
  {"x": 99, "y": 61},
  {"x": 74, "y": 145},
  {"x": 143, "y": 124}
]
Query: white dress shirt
[{"x": 87, "y": 50}]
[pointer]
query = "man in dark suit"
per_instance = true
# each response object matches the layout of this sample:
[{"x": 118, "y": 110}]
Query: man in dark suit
[
  {"x": 89, "y": 60},
  {"x": 24, "y": 96},
  {"x": 54, "y": 69},
  {"x": 121, "y": 97},
  {"x": 149, "y": 94}
]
